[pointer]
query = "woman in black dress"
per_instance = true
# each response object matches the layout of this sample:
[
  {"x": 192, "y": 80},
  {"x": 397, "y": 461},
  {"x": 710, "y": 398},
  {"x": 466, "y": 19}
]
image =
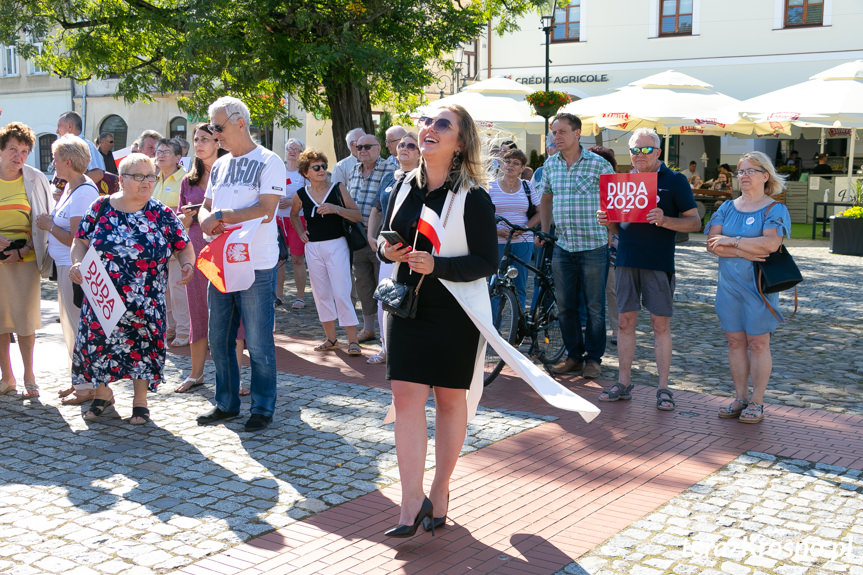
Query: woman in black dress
[{"x": 438, "y": 348}]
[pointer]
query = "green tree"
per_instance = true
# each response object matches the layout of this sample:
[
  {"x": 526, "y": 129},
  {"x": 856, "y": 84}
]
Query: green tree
[{"x": 337, "y": 57}]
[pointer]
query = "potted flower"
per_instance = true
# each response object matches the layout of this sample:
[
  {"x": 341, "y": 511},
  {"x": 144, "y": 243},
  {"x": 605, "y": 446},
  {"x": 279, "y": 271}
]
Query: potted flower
[
  {"x": 846, "y": 228},
  {"x": 548, "y": 103}
]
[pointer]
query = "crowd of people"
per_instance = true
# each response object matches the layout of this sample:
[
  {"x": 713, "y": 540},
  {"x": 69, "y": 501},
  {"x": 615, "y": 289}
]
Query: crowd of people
[{"x": 148, "y": 231}]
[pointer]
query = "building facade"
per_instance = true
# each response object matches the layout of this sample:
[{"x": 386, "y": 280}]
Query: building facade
[{"x": 743, "y": 48}]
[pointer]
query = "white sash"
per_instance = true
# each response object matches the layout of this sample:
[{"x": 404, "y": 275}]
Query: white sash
[{"x": 474, "y": 299}]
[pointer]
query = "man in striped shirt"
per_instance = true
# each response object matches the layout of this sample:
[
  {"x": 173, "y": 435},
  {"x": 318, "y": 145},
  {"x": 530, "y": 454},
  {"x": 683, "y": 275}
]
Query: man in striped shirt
[{"x": 570, "y": 199}]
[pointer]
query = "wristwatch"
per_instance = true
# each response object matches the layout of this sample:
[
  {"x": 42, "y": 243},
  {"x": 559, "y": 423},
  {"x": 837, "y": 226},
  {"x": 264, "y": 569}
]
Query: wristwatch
[{"x": 218, "y": 214}]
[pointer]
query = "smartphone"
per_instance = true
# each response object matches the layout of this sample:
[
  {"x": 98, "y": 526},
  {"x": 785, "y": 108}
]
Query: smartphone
[
  {"x": 192, "y": 207},
  {"x": 393, "y": 238}
]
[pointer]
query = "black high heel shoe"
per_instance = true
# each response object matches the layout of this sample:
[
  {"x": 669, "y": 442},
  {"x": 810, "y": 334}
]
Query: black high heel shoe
[
  {"x": 426, "y": 511},
  {"x": 432, "y": 523}
]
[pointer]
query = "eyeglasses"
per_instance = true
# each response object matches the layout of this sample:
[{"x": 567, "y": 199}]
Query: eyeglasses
[
  {"x": 219, "y": 128},
  {"x": 319, "y": 167},
  {"x": 439, "y": 125},
  {"x": 749, "y": 172},
  {"x": 641, "y": 150},
  {"x": 142, "y": 177},
  {"x": 407, "y": 145},
  {"x": 366, "y": 146},
  {"x": 163, "y": 151}
]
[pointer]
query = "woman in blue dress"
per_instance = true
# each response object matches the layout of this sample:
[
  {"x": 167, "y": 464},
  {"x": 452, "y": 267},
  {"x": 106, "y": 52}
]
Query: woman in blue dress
[
  {"x": 741, "y": 232},
  {"x": 133, "y": 235}
]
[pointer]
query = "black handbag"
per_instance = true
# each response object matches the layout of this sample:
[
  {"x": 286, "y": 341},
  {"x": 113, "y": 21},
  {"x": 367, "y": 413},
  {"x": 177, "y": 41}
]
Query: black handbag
[
  {"x": 397, "y": 298},
  {"x": 354, "y": 232},
  {"x": 778, "y": 272}
]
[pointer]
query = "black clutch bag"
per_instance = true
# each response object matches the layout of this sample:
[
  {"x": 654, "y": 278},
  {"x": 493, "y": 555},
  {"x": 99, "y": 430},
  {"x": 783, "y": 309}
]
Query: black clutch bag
[{"x": 397, "y": 298}]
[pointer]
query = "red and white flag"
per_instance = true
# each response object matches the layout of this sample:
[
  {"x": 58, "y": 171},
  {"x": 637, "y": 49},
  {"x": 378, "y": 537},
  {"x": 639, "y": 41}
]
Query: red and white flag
[
  {"x": 431, "y": 227},
  {"x": 227, "y": 260}
]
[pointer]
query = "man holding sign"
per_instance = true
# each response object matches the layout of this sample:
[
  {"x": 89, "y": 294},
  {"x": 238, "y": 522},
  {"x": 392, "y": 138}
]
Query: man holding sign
[{"x": 645, "y": 255}]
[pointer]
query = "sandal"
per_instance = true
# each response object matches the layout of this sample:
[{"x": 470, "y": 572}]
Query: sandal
[
  {"x": 327, "y": 345},
  {"x": 141, "y": 413},
  {"x": 753, "y": 413},
  {"x": 734, "y": 409},
  {"x": 298, "y": 304},
  {"x": 6, "y": 388},
  {"x": 365, "y": 335},
  {"x": 377, "y": 358},
  {"x": 189, "y": 384},
  {"x": 354, "y": 348},
  {"x": 664, "y": 396},
  {"x": 66, "y": 392},
  {"x": 31, "y": 390},
  {"x": 79, "y": 398},
  {"x": 617, "y": 392},
  {"x": 243, "y": 389},
  {"x": 100, "y": 408}
]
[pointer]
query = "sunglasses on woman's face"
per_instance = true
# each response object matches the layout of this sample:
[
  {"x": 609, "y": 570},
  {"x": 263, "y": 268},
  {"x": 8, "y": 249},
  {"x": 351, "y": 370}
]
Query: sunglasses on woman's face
[
  {"x": 407, "y": 146},
  {"x": 319, "y": 167},
  {"x": 439, "y": 125}
]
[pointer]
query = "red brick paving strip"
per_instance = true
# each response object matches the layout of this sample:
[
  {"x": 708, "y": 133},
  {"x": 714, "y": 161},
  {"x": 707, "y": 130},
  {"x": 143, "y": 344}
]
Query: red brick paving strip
[{"x": 534, "y": 502}]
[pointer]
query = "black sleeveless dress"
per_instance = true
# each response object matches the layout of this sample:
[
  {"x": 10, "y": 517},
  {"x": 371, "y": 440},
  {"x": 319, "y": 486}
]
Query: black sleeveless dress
[{"x": 438, "y": 347}]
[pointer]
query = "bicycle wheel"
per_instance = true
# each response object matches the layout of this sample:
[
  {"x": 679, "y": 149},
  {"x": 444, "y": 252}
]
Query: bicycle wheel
[
  {"x": 505, "y": 319},
  {"x": 549, "y": 340}
]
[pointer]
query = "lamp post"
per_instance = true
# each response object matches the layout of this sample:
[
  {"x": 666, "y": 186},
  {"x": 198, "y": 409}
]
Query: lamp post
[
  {"x": 458, "y": 62},
  {"x": 547, "y": 19}
]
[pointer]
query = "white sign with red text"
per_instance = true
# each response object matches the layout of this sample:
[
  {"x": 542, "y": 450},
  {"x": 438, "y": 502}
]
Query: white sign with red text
[
  {"x": 100, "y": 292},
  {"x": 627, "y": 197}
]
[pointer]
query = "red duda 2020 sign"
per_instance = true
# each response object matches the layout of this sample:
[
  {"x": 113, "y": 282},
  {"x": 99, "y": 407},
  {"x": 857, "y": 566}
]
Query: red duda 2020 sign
[{"x": 627, "y": 197}]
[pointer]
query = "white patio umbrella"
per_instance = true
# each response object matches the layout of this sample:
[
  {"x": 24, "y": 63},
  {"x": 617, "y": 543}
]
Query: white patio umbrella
[
  {"x": 496, "y": 105},
  {"x": 830, "y": 99},
  {"x": 670, "y": 102}
]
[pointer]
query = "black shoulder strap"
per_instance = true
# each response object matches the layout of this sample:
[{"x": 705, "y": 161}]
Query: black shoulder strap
[{"x": 526, "y": 192}]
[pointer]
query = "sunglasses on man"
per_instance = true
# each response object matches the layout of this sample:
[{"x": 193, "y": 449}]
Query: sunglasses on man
[
  {"x": 642, "y": 150},
  {"x": 363, "y": 147},
  {"x": 219, "y": 128}
]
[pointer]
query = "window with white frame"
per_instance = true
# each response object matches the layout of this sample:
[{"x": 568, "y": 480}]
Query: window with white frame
[
  {"x": 8, "y": 60},
  {"x": 32, "y": 67}
]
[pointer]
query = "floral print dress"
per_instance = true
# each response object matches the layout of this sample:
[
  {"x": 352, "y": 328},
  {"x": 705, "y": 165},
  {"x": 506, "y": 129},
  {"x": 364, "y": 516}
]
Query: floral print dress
[{"x": 135, "y": 248}]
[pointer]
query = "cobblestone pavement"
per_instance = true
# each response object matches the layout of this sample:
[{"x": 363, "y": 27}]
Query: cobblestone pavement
[
  {"x": 758, "y": 515},
  {"x": 816, "y": 359},
  {"x": 96, "y": 498}
]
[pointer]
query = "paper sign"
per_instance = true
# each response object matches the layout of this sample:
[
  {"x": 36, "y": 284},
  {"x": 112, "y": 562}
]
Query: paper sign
[
  {"x": 627, "y": 197},
  {"x": 100, "y": 292}
]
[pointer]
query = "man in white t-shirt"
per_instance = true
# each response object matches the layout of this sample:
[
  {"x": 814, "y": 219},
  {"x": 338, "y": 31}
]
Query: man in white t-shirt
[
  {"x": 294, "y": 246},
  {"x": 244, "y": 185}
]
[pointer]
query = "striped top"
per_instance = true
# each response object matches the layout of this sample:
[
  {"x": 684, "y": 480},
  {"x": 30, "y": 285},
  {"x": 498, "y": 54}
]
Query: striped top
[{"x": 513, "y": 206}]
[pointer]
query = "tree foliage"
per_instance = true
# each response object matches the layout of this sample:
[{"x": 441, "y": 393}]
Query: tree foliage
[{"x": 337, "y": 57}]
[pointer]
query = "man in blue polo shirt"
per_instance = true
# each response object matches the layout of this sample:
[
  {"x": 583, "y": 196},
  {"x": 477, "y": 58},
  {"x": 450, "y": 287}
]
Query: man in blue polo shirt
[{"x": 645, "y": 266}]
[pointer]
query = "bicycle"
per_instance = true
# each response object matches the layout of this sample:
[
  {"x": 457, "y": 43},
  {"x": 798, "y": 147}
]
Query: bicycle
[{"x": 540, "y": 323}]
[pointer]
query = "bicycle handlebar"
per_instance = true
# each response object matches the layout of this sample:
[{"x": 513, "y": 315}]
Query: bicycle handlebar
[{"x": 516, "y": 228}]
